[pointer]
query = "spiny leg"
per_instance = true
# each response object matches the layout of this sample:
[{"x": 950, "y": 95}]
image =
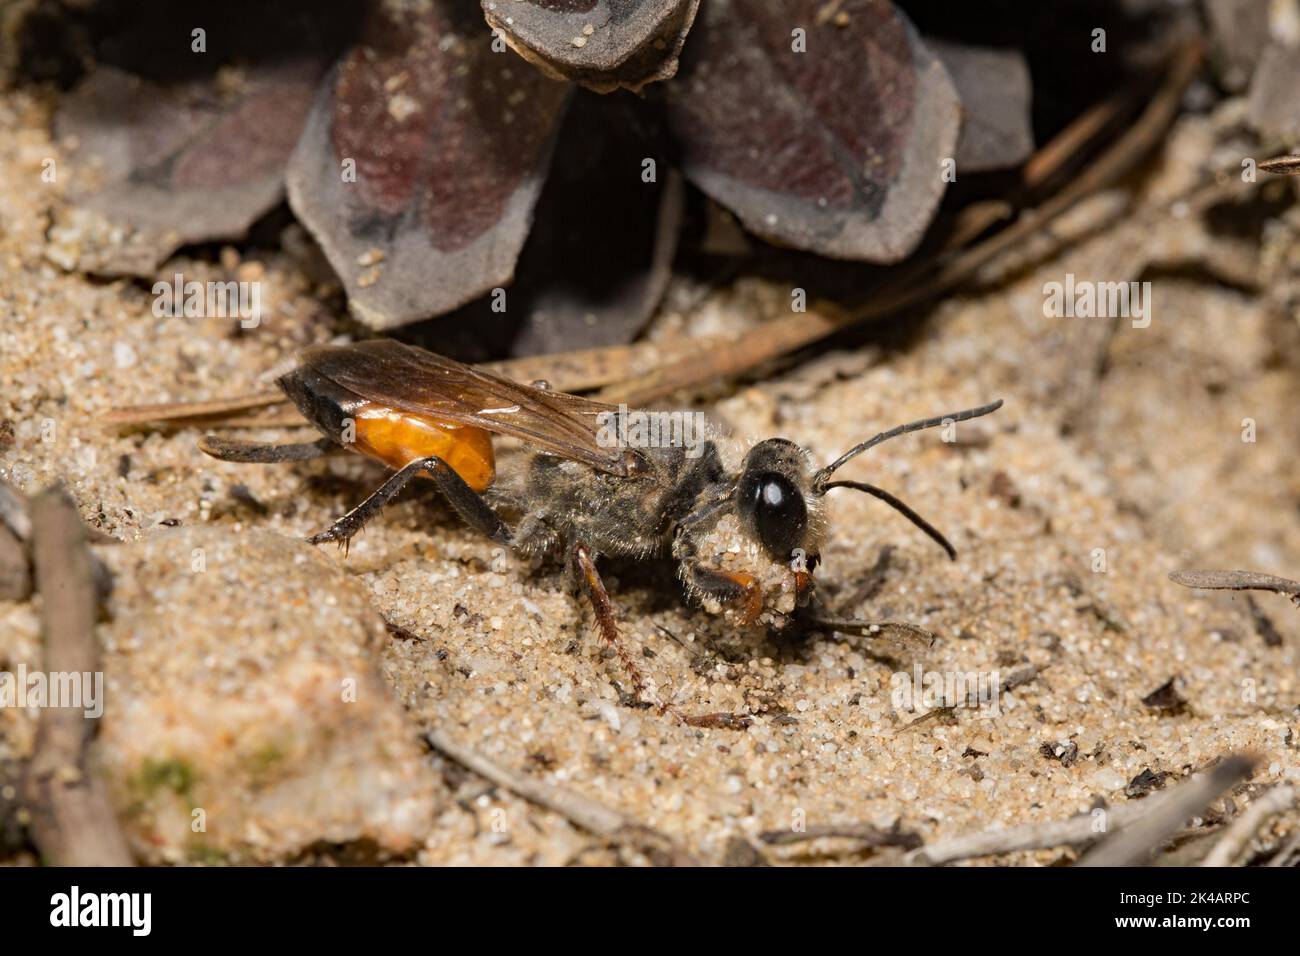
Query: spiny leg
[
  {"x": 251, "y": 452},
  {"x": 465, "y": 500},
  {"x": 604, "y": 611},
  {"x": 600, "y": 603}
]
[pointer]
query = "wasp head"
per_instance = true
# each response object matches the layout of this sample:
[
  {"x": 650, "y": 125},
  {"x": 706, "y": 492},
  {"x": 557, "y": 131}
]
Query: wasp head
[{"x": 755, "y": 562}]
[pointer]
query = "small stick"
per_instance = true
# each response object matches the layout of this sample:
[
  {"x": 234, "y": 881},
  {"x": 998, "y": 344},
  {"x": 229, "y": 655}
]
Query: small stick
[
  {"x": 1030, "y": 836},
  {"x": 1269, "y": 804},
  {"x": 1074, "y": 831},
  {"x": 579, "y": 810},
  {"x": 926, "y": 719},
  {"x": 167, "y": 411},
  {"x": 584, "y": 369},
  {"x": 1282, "y": 165},
  {"x": 72, "y": 822},
  {"x": 288, "y": 418},
  {"x": 864, "y": 832},
  {"x": 15, "y": 574},
  {"x": 13, "y": 511},
  {"x": 1236, "y": 581},
  {"x": 1072, "y": 140},
  {"x": 1135, "y": 844}
]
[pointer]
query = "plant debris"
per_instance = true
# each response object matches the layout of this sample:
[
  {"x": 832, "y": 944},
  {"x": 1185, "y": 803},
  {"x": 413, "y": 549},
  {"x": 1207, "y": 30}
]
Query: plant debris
[
  {"x": 834, "y": 158},
  {"x": 1282, "y": 165},
  {"x": 1065, "y": 752},
  {"x": 1237, "y": 581},
  {"x": 863, "y": 833},
  {"x": 431, "y": 147},
  {"x": 1165, "y": 699},
  {"x": 182, "y": 163},
  {"x": 1144, "y": 783},
  {"x": 72, "y": 820},
  {"x": 1138, "y": 842},
  {"x": 995, "y": 91},
  {"x": 602, "y": 44}
]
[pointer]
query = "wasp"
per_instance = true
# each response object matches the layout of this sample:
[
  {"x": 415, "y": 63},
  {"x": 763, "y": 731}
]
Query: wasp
[{"x": 744, "y": 526}]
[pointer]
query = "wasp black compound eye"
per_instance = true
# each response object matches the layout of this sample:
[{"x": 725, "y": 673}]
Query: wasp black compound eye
[{"x": 777, "y": 510}]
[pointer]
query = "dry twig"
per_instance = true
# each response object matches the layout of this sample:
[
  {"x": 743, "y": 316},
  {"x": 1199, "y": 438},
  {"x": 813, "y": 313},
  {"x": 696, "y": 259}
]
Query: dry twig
[
  {"x": 1031, "y": 836},
  {"x": 579, "y": 810},
  {"x": 1135, "y": 844},
  {"x": 72, "y": 822},
  {"x": 863, "y": 832},
  {"x": 1282, "y": 165},
  {"x": 1236, "y": 581},
  {"x": 1267, "y": 805},
  {"x": 1135, "y": 828}
]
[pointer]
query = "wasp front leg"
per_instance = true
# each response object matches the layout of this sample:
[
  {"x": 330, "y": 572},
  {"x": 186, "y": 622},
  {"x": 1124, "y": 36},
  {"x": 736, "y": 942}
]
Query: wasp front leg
[
  {"x": 733, "y": 589},
  {"x": 729, "y": 589}
]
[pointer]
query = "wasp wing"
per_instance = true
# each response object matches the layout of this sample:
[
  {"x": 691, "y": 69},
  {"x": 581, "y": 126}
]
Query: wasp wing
[{"x": 403, "y": 377}]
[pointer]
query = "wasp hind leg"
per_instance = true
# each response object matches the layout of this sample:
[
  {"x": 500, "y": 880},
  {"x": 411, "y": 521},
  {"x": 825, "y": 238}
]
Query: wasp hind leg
[
  {"x": 465, "y": 500},
  {"x": 585, "y": 566},
  {"x": 260, "y": 453}
]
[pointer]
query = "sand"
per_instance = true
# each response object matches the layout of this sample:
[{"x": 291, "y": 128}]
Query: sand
[{"x": 1065, "y": 542}]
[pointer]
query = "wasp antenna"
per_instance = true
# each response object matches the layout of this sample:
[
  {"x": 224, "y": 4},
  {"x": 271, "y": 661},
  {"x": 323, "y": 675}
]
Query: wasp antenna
[
  {"x": 901, "y": 507},
  {"x": 821, "y": 477}
]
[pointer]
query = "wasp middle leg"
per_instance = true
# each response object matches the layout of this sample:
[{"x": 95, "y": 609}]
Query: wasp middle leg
[{"x": 467, "y": 502}]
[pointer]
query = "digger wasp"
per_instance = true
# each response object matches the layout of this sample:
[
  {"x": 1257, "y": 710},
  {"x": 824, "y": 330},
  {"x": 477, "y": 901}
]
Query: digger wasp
[{"x": 745, "y": 527}]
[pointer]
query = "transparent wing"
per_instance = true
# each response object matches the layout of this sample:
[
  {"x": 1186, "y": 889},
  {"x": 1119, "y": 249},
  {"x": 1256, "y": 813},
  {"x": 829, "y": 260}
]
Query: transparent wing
[{"x": 403, "y": 377}]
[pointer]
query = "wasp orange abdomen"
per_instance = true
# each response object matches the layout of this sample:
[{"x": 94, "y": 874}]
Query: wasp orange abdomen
[{"x": 398, "y": 438}]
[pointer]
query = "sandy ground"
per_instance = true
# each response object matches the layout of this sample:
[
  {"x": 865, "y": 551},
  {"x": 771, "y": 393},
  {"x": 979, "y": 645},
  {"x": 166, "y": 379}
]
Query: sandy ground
[{"x": 1065, "y": 542}]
